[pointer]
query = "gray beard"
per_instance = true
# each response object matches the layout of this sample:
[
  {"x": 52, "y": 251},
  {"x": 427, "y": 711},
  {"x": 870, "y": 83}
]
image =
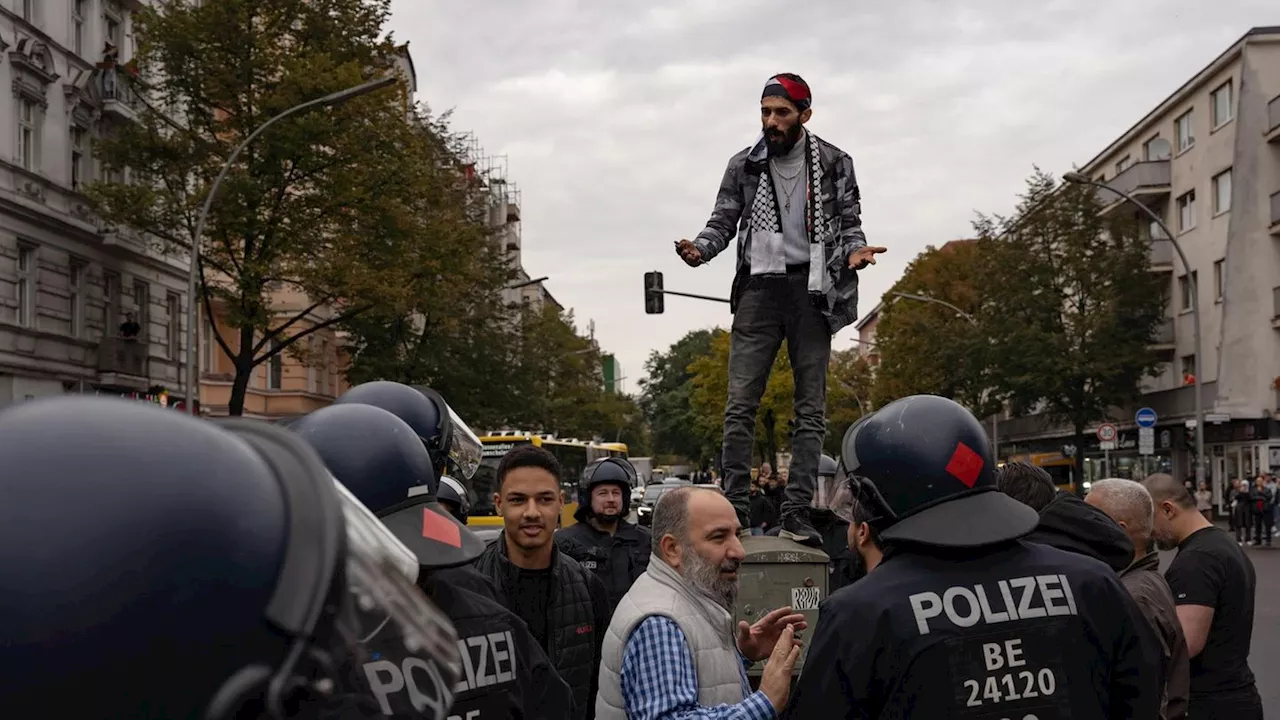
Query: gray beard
[{"x": 705, "y": 576}]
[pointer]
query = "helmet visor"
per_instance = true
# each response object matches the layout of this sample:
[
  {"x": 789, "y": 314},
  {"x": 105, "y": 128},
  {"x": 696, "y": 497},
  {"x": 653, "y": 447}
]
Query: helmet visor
[
  {"x": 388, "y": 615},
  {"x": 464, "y": 447}
]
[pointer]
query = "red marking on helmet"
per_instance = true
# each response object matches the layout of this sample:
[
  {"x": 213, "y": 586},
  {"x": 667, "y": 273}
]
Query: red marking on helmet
[
  {"x": 439, "y": 528},
  {"x": 965, "y": 465}
]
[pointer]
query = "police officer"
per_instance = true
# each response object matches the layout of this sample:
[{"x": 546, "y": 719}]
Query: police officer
[
  {"x": 961, "y": 619},
  {"x": 449, "y": 442},
  {"x": 380, "y": 459},
  {"x": 159, "y": 566},
  {"x": 829, "y": 499},
  {"x": 616, "y": 550},
  {"x": 455, "y": 498}
]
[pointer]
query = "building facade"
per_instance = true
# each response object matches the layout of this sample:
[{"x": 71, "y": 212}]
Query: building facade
[
  {"x": 1206, "y": 160},
  {"x": 72, "y": 286},
  {"x": 866, "y": 327}
]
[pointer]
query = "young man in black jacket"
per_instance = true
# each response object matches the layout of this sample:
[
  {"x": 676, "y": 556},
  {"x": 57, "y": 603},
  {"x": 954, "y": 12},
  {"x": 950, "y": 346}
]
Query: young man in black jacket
[{"x": 565, "y": 605}]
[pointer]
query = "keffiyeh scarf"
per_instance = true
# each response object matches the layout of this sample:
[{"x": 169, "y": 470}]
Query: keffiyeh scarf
[{"x": 766, "y": 223}]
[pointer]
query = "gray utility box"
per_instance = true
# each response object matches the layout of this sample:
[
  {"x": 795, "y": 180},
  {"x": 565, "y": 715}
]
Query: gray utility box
[{"x": 777, "y": 573}]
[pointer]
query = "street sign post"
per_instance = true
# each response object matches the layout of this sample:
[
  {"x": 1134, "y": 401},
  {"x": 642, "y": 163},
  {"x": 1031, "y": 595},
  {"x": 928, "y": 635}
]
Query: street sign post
[
  {"x": 1145, "y": 418},
  {"x": 1146, "y": 441},
  {"x": 1107, "y": 434}
]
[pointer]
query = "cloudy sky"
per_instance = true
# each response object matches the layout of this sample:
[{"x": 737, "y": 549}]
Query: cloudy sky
[{"x": 617, "y": 117}]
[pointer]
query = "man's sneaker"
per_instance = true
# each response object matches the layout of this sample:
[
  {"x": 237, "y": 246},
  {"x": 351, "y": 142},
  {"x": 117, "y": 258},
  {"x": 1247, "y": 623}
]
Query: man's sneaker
[{"x": 795, "y": 526}]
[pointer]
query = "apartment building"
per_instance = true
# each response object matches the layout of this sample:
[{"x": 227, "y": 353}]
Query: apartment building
[
  {"x": 69, "y": 281},
  {"x": 866, "y": 328},
  {"x": 1206, "y": 160}
]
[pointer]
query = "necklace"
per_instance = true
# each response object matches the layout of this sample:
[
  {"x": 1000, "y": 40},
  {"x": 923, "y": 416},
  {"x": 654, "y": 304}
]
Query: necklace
[{"x": 795, "y": 182}]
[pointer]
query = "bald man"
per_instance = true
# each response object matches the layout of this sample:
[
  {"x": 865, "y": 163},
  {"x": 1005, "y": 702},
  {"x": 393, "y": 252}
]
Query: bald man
[
  {"x": 1213, "y": 586},
  {"x": 1130, "y": 505}
]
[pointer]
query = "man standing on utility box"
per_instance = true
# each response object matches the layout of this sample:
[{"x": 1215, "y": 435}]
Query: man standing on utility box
[{"x": 794, "y": 200}]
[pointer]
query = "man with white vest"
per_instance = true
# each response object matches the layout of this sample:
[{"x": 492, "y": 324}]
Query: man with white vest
[{"x": 670, "y": 650}]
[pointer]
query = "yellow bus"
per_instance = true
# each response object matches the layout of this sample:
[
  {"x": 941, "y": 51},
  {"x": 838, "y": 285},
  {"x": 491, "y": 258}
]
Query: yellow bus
[
  {"x": 603, "y": 450},
  {"x": 574, "y": 455},
  {"x": 1060, "y": 467}
]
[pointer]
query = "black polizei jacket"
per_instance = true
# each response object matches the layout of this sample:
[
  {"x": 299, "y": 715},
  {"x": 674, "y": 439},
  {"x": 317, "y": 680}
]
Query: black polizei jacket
[
  {"x": 579, "y": 616},
  {"x": 616, "y": 559}
]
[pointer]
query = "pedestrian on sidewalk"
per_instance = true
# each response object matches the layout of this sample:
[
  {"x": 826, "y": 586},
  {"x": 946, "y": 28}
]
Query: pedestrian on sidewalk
[
  {"x": 1262, "y": 503},
  {"x": 1204, "y": 501}
]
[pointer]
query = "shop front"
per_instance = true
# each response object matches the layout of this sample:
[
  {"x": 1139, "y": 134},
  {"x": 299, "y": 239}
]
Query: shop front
[
  {"x": 1125, "y": 461},
  {"x": 1239, "y": 450}
]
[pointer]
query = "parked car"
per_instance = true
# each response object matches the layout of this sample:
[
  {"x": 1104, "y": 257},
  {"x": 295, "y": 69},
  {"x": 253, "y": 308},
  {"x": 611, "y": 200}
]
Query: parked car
[{"x": 644, "y": 512}]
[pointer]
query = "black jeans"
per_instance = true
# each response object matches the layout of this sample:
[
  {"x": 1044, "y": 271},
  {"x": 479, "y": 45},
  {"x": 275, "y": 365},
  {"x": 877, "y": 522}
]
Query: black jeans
[
  {"x": 1262, "y": 525},
  {"x": 1243, "y": 704},
  {"x": 772, "y": 309}
]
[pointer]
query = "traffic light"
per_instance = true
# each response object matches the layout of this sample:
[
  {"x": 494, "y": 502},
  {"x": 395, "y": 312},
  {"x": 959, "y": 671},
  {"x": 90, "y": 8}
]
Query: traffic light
[{"x": 653, "y": 297}]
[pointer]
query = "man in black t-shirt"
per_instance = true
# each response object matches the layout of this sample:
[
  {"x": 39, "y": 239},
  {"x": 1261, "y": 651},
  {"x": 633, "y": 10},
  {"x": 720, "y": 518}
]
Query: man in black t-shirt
[{"x": 1213, "y": 585}]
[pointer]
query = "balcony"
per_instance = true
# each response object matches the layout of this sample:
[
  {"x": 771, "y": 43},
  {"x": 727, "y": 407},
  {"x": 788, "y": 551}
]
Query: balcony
[
  {"x": 1162, "y": 340},
  {"x": 513, "y": 211},
  {"x": 1275, "y": 308},
  {"x": 118, "y": 98},
  {"x": 1272, "y": 135},
  {"x": 1161, "y": 255},
  {"x": 1275, "y": 214},
  {"x": 123, "y": 362},
  {"x": 1148, "y": 182}
]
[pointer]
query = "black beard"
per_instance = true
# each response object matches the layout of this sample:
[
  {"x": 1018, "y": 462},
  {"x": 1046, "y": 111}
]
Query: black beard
[
  {"x": 607, "y": 518},
  {"x": 781, "y": 143}
]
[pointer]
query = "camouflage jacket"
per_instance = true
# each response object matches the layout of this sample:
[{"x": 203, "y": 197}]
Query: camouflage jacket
[{"x": 841, "y": 201}]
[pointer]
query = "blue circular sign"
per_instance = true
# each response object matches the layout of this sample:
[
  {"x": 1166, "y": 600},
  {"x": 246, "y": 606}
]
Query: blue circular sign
[{"x": 1146, "y": 418}]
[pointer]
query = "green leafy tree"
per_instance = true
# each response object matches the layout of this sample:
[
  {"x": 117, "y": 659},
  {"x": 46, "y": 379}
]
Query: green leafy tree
[
  {"x": 1070, "y": 305},
  {"x": 928, "y": 347},
  {"x": 335, "y": 206},
  {"x": 665, "y": 397},
  {"x": 849, "y": 393},
  {"x": 453, "y": 334}
]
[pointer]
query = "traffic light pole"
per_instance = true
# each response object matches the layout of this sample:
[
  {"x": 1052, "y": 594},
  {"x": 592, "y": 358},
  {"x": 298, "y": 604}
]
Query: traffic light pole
[{"x": 695, "y": 297}]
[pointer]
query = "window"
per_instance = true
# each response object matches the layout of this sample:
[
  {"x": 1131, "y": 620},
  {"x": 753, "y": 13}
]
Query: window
[
  {"x": 174, "y": 305},
  {"x": 1124, "y": 164},
  {"x": 1156, "y": 148},
  {"x": 209, "y": 349},
  {"x": 1187, "y": 286},
  {"x": 1156, "y": 232},
  {"x": 110, "y": 304},
  {"x": 1187, "y": 211},
  {"x": 1218, "y": 269},
  {"x": 113, "y": 31},
  {"x": 77, "y": 157},
  {"x": 75, "y": 296},
  {"x": 142, "y": 303},
  {"x": 1222, "y": 192},
  {"x": 77, "y": 26},
  {"x": 1182, "y": 128},
  {"x": 1221, "y": 106},
  {"x": 275, "y": 367},
  {"x": 26, "y": 285},
  {"x": 1189, "y": 365},
  {"x": 322, "y": 368},
  {"x": 26, "y": 133}
]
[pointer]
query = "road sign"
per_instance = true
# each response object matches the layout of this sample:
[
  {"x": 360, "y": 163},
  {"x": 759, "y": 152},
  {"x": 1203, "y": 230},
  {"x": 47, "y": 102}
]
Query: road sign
[
  {"x": 1217, "y": 418},
  {"x": 1107, "y": 436},
  {"x": 1146, "y": 441},
  {"x": 1146, "y": 418}
]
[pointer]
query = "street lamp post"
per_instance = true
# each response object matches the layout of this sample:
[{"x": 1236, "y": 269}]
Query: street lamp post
[
  {"x": 193, "y": 271},
  {"x": 986, "y": 392},
  {"x": 1082, "y": 179}
]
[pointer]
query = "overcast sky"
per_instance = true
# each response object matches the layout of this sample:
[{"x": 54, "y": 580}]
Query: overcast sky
[{"x": 617, "y": 117}]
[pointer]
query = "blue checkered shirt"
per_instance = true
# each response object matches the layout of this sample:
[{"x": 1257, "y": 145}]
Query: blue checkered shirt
[{"x": 659, "y": 681}]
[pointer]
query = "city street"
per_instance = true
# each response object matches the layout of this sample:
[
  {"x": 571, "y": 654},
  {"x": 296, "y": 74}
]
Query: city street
[{"x": 1264, "y": 657}]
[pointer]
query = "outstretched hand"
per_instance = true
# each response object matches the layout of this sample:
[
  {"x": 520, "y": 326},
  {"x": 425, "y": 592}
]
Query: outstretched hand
[
  {"x": 865, "y": 255},
  {"x": 756, "y": 642}
]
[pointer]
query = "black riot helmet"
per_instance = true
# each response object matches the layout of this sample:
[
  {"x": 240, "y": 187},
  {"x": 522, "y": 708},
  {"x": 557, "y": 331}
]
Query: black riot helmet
[
  {"x": 159, "y": 566},
  {"x": 454, "y": 497},
  {"x": 451, "y": 444},
  {"x": 617, "y": 471},
  {"x": 923, "y": 464},
  {"x": 380, "y": 459},
  {"x": 827, "y": 466}
]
